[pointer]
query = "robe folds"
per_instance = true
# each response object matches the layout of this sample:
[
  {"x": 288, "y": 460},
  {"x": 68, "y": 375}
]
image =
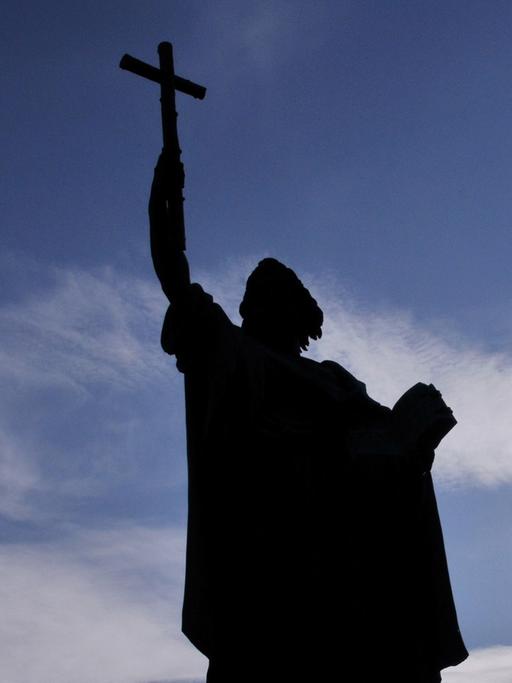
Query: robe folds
[{"x": 313, "y": 534}]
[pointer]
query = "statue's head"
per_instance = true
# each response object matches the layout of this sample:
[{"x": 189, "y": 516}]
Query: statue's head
[{"x": 278, "y": 310}]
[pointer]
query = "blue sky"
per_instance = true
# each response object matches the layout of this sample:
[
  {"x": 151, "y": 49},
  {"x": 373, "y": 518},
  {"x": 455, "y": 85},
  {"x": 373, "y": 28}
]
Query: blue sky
[{"x": 367, "y": 145}]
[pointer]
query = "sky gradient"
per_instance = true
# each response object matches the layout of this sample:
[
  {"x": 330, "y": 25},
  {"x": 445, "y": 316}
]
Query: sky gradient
[{"x": 365, "y": 144}]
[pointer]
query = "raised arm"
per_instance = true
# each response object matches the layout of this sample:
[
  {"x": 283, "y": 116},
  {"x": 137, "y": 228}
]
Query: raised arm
[{"x": 169, "y": 260}]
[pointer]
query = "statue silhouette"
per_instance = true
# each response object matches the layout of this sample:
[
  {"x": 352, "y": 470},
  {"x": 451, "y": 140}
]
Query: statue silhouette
[
  {"x": 314, "y": 549},
  {"x": 314, "y": 546}
]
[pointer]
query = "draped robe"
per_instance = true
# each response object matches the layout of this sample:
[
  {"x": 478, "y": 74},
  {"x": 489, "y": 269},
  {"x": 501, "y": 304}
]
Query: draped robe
[{"x": 313, "y": 538}]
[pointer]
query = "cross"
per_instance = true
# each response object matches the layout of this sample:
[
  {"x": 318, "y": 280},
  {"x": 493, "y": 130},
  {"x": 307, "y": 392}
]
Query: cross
[{"x": 169, "y": 83}]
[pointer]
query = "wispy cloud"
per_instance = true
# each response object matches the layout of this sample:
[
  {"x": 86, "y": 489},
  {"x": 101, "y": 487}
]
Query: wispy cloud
[
  {"x": 86, "y": 392},
  {"x": 99, "y": 607},
  {"x": 19, "y": 477},
  {"x": 263, "y": 38},
  {"x": 86, "y": 327},
  {"x": 261, "y": 32}
]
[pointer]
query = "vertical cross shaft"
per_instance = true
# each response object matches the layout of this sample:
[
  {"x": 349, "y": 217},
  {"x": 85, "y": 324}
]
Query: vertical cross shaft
[{"x": 167, "y": 97}]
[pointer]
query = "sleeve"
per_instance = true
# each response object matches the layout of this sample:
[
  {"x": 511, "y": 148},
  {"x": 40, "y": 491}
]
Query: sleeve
[
  {"x": 195, "y": 329},
  {"x": 377, "y": 446},
  {"x": 375, "y": 442}
]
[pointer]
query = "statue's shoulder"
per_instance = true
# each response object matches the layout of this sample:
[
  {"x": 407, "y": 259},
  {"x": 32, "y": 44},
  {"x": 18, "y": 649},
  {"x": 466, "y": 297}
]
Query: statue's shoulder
[
  {"x": 343, "y": 377},
  {"x": 195, "y": 322}
]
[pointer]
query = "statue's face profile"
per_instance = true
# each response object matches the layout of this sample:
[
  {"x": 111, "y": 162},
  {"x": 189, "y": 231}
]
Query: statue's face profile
[{"x": 278, "y": 310}]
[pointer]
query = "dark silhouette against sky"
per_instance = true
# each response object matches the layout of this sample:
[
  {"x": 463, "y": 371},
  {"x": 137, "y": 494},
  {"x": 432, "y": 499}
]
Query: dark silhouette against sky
[{"x": 314, "y": 543}]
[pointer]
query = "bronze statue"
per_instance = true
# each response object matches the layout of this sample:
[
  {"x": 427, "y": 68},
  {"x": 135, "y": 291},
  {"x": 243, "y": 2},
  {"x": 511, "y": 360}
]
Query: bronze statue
[{"x": 314, "y": 548}]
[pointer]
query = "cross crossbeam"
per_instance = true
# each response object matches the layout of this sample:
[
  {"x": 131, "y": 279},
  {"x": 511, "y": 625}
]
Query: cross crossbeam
[{"x": 136, "y": 66}]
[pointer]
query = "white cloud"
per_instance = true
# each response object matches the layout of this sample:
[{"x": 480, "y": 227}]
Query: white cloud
[
  {"x": 102, "y": 607},
  {"x": 263, "y": 35},
  {"x": 88, "y": 327},
  {"x": 486, "y": 665}
]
